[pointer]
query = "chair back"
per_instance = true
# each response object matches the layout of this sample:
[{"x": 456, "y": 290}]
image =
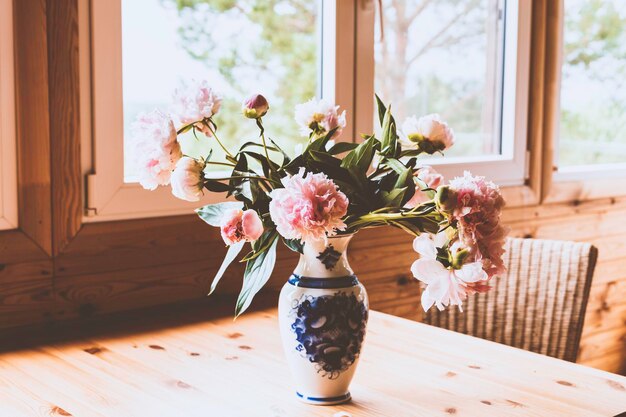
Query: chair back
[{"x": 538, "y": 305}]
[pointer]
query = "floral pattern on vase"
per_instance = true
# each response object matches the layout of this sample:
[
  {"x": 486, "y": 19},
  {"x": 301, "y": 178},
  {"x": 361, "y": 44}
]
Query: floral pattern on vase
[{"x": 330, "y": 330}]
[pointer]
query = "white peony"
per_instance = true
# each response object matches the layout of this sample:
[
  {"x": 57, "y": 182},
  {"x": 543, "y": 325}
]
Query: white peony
[
  {"x": 195, "y": 102},
  {"x": 319, "y": 117},
  {"x": 188, "y": 179},
  {"x": 428, "y": 133},
  {"x": 154, "y": 148}
]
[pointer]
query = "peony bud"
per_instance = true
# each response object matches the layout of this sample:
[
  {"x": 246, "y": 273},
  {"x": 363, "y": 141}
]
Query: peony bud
[
  {"x": 458, "y": 254},
  {"x": 188, "y": 179},
  {"x": 443, "y": 198},
  {"x": 255, "y": 107}
]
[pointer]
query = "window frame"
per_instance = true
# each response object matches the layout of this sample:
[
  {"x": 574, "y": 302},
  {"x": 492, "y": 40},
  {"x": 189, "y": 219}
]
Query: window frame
[
  {"x": 587, "y": 173},
  {"x": 575, "y": 183},
  {"x": 8, "y": 151},
  {"x": 511, "y": 168}
]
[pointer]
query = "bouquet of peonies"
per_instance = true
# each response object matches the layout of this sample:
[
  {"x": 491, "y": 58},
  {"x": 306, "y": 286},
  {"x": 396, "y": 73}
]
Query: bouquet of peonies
[{"x": 329, "y": 189}]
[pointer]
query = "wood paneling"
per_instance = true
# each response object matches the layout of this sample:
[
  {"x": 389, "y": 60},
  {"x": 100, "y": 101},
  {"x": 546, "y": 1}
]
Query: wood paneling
[
  {"x": 126, "y": 265},
  {"x": 26, "y": 293}
]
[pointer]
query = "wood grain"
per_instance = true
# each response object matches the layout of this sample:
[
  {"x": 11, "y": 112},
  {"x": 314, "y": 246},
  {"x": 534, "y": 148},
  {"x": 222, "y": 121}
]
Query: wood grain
[
  {"x": 197, "y": 368},
  {"x": 26, "y": 293},
  {"x": 63, "y": 74},
  {"x": 31, "y": 70}
]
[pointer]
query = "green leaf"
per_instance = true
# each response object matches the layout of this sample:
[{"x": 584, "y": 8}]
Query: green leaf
[
  {"x": 361, "y": 156},
  {"x": 410, "y": 152},
  {"x": 261, "y": 244},
  {"x": 395, "y": 164},
  {"x": 381, "y": 109},
  {"x": 325, "y": 159},
  {"x": 341, "y": 147},
  {"x": 266, "y": 164},
  {"x": 389, "y": 137},
  {"x": 319, "y": 144},
  {"x": 286, "y": 158},
  {"x": 240, "y": 187},
  {"x": 233, "y": 251},
  {"x": 258, "y": 271},
  {"x": 213, "y": 213},
  {"x": 257, "y": 145},
  {"x": 295, "y": 245},
  {"x": 294, "y": 165},
  {"x": 185, "y": 129},
  {"x": 216, "y": 186},
  {"x": 404, "y": 179},
  {"x": 394, "y": 197}
]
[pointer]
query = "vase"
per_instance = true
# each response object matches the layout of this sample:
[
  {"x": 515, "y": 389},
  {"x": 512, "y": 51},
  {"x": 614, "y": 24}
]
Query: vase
[{"x": 323, "y": 311}]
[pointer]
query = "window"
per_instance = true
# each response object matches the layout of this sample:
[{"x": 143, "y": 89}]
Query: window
[
  {"x": 467, "y": 61},
  {"x": 240, "y": 47},
  {"x": 592, "y": 130},
  {"x": 141, "y": 50},
  {"x": 8, "y": 165}
]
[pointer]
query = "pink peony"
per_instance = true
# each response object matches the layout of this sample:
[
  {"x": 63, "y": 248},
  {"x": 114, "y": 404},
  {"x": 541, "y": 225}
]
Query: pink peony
[
  {"x": 427, "y": 177},
  {"x": 444, "y": 286},
  {"x": 155, "y": 149},
  {"x": 196, "y": 102},
  {"x": 476, "y": 204},
  {"x": 238, "y": 225},
  {"x": 428, "y": 133},
  {"x": 319, "y": 117},
  {"x": 188, "y": 179},
  {"x": 309, "y": 207}
]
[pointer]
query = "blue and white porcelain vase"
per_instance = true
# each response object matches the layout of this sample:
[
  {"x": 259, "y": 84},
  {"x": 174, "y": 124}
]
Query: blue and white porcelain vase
[{"x": 323, "y": 311}]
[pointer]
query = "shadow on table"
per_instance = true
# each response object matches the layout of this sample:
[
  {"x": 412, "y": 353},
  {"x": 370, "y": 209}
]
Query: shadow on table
[{"x": 129, "y": 322}]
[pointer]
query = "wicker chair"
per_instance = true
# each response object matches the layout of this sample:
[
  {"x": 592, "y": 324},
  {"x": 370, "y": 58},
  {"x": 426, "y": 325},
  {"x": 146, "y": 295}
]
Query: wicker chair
[{"x": 539, "y": 305}]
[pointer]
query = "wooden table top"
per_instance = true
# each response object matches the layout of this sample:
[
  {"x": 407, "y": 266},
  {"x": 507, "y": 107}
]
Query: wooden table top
[{"x": 223, "y": 368}]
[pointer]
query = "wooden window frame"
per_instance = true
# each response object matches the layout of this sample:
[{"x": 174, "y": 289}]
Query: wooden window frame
[
  {"x": 577, "y": 183},
  {"x": 8, "y": 158}
]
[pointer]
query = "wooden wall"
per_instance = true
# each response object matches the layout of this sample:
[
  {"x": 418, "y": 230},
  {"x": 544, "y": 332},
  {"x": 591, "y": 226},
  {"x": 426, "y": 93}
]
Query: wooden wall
[{"x": 118, "y": 266}]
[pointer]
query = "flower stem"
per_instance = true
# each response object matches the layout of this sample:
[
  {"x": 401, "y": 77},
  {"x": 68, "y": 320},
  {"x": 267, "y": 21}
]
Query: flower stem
[
  {"x": 259, "y": 123},
  {"x": 250, "y": 177},
  {"x": 207, "y": 123},
  {"x": 227, "y": 164}
]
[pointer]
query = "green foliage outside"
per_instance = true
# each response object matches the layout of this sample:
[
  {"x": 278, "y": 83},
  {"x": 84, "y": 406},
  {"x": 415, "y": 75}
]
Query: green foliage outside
[
  {"x": 281, "y": 63},
  {"x": 595, "y": 44}
]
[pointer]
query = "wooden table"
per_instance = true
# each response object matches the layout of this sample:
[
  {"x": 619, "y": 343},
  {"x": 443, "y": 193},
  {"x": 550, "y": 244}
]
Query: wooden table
[{"x": 223, "y": 368}]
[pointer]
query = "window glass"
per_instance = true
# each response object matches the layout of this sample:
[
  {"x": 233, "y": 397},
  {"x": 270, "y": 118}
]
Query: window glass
[
  {"x": 444, "y": 57},
  {"x": 241, "y": 47},
  {"x": 593, "y": 87},
  {"x": 8, "y": 159}
]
